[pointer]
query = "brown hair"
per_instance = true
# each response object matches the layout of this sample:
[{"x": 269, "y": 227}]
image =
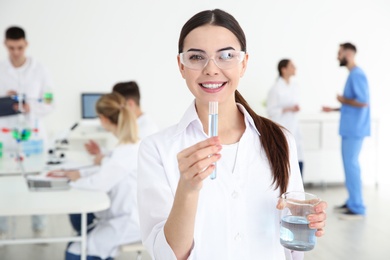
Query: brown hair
[
  {"x": 348, "y": 46},
  {"x": 282, "y": 64},
  {"x": 114, "y": 107},
  {"x": 129, "y": 90},
  {"x": 15, "y": 33},
  {"x": 272, "y": 139}
]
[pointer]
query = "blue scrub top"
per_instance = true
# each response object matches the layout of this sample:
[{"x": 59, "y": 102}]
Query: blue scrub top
[{"x": 356, "y": 121}]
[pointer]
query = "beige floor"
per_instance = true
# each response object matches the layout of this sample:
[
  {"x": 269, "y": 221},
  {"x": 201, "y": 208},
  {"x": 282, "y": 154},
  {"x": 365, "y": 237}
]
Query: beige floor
[{"x": 366, "y": 239}]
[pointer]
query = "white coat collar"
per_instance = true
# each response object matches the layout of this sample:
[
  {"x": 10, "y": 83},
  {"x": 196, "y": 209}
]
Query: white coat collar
[
  {"x": 28, "y": 63},
  {"x": 282, "y": 82},
  {"x": 191, "y": 117}
]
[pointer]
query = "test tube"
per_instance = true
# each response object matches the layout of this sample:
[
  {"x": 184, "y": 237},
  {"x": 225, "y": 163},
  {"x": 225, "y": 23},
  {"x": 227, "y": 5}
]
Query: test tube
[{"x": 213, "y": 128}]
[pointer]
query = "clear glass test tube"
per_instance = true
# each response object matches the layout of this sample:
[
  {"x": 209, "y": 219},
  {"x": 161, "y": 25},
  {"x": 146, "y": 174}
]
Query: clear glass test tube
[{"x": 213, "y": 128}]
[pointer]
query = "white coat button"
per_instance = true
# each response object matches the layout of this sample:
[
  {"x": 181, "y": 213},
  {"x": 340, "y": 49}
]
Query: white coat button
[
  {"x": 238, "y": 237},
  {"x": 234, "y": 194}
]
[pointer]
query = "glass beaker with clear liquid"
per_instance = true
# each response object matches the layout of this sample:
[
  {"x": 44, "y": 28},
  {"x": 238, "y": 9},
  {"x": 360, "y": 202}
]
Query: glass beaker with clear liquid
[{"x": 295, "y": 233}]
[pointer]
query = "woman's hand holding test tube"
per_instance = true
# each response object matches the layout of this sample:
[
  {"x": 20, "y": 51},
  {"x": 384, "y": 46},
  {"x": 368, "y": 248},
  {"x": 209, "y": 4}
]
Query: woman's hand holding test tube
[{"x": 198, "y": 161}]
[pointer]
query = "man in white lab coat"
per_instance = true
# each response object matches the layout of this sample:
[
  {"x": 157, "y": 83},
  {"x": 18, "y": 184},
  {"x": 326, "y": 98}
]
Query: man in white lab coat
[{"x": 22, "y": 76}]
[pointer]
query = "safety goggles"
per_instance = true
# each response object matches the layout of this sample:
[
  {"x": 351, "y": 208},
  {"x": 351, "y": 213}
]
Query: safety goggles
[{"x": 198, "y": 60}]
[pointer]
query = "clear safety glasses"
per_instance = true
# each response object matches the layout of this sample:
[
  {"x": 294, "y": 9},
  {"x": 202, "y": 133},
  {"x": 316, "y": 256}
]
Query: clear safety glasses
[{"x": 197, "y": 60}]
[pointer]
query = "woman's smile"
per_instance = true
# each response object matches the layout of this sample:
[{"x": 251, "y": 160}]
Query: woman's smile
[{"x": 212, "y": 87}]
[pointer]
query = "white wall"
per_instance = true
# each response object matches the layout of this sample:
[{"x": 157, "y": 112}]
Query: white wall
[{"x": 89, "y": 45}]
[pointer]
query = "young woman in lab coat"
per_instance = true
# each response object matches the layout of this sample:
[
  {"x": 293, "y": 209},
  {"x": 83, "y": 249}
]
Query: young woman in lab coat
[
  {"x": 183, "y": 213},
  {"x": 117, "y": 176},
  {"x": 283, "y": 104}
]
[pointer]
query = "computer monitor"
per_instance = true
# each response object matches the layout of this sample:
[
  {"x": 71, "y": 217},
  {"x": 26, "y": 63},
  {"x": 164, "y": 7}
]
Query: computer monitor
[{"x": 88, "y": 101}]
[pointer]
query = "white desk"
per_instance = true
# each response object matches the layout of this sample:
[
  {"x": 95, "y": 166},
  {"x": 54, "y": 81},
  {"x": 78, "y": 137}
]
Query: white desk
[
  {"x": 36, "y": 163},
  {"x": 9, "y": 166},
  {"x": 16, "y": 200}
]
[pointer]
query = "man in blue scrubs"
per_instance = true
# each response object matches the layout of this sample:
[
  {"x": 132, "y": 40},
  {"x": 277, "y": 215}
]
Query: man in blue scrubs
[{"x": 354, "y": 126}]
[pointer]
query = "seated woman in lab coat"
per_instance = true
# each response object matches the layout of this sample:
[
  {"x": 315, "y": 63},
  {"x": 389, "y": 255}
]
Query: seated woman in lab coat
[{"x": 117, "y": 176}]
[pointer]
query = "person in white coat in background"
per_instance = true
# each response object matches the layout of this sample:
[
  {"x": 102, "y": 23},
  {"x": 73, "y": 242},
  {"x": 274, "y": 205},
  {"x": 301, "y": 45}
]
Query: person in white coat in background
[
  {"x": 184, "y": 214},
  {"x": 283, "y": 104},
  {"x": 25, "y": 77},
  {"x": 146, "y": 126},
  {"x": 117, "y": 176}
]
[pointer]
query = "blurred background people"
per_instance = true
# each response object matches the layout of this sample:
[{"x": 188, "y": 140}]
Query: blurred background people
[
  {"x": 23, "y": 76},
  {"x": 355, "y": 125},
  {"x": 119, "y": 224},
  {"x": 283, "y": 104},
  {"x": 130, "y": 91}
]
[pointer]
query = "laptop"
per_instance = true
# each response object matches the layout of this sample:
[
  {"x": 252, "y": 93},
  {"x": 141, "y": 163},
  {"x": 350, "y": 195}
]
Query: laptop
[
  {"x": 40, "y": 182},
  {"x": 44, "y": 183}
]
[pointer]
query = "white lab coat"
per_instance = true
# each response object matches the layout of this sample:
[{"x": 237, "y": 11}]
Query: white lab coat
[
  {"x": 146, "y": 126},
  {"x": 119, "y": 224},
  {"x": 32, "y": 80},
  {"x": 280, "y": 96},
  {"x": 236, "y": 216}
]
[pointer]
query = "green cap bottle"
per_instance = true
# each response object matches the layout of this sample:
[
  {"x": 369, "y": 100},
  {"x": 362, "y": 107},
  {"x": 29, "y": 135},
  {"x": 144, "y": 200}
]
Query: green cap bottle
[{"x": 48, "y": 97}]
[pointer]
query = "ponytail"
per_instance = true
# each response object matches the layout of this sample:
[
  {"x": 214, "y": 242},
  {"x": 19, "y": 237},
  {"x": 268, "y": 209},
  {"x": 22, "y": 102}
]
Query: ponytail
[
  {"x": 113, "y": 106},
  {"x": 127, "y": 125},
  {"x": 274, "y": 143}
]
